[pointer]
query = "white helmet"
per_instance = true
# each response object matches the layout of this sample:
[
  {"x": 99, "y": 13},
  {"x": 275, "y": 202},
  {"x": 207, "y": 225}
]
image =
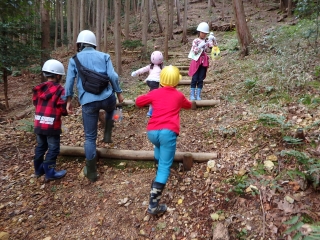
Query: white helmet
[
  {"x": 203, "y": 27},
  {"x": 52, "y": 67},
  {"x": 87, "y": 36},
  {"x": 156, "y": 57}
]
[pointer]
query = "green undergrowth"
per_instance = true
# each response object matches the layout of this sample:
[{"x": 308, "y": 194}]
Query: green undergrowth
[{"x": 282, "y": 64}]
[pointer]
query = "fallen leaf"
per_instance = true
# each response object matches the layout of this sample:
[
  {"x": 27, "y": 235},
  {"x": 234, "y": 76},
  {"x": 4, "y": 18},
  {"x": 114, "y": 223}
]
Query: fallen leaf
[
  {"x": 268, "y": 165},
  {"x": 214, "y": 216}
]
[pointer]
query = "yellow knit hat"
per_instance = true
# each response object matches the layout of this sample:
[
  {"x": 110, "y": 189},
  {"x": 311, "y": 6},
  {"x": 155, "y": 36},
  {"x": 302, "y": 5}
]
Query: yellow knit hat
[{"x": 170, "y": 76}]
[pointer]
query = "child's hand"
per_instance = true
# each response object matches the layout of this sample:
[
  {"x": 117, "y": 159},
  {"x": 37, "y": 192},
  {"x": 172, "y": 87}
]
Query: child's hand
[
  {"x": 211, "y": 38},
  {"x": 202, "y": 44},
  {"x": 133, "y": 74}
]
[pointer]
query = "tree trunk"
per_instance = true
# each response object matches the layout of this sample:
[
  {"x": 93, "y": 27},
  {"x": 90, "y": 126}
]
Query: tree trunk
[
  {"x": 144, "y": 40},
  {"x": 223, "y": 9},
  {"x": 75, "y": 20},
  {"x": 117, "y": 35},
  {"x": 5, "y": 86},
  {"x": 289, "y": 8},
  {"x": 170, "y": 25},
  {"x": 209, "y": 6},
  {"x": 105, "y": 28},
  {"x": 158, "y": 19},
  {"x": 69, "y": 36},
  {"x": 56, "y": 12},
  {"x": 81, "y": 15},
  {"x": 61, "y": 22},
  {"x": 45, "y": 33},
  {"x": 178, "y": 11},
  {"x": 134, "y": 155},
  {"x": 243, "y": 33},
  {"x": 166, "y": 39},
  {"x": 184, "y": 39},
  {"x": 98, "y": 23},
  {"x": 126, "y": 19}
]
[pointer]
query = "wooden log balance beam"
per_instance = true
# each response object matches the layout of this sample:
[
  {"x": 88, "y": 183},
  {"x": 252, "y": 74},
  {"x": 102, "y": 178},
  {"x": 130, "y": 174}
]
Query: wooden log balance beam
[
  {"x": 197, "y": 103},
  {"x": 135, "y": 155},
  {"x": 188, "y": 82}
]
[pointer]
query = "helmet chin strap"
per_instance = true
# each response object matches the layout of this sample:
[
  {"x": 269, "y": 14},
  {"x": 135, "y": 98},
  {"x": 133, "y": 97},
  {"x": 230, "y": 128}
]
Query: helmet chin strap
[{"x": 81, "y": 46}]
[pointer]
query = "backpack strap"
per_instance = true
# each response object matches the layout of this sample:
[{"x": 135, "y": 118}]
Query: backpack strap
[{"x": 77, "y": 61}]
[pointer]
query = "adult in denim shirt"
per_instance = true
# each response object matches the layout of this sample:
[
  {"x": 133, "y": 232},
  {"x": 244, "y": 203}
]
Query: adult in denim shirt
[{"x": 92, "y": 103}]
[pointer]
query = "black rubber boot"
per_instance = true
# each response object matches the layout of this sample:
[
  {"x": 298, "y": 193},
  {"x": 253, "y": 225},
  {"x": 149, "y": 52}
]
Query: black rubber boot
[
  {"x": 51, "y": 173},
  {"x": 108, "y": 131},
  {"x": 155, "y": 195},
  {"x": 90, "y": 170},
  {"x": 38, "y": 167}
]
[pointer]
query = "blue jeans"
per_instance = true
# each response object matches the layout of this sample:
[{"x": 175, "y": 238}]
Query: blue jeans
[
  {"x": 198, "y": 77},
  {"x": 50, "y": 143},
  {"x": 164, "y": 142},
  {"x": 153, "y": 85},
  {"x": 90, "y": 116}
]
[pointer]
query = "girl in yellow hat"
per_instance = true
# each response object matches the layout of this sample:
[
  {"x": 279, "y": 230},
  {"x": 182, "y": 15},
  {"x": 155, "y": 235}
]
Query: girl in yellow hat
[{"x": 163, "y": 129}]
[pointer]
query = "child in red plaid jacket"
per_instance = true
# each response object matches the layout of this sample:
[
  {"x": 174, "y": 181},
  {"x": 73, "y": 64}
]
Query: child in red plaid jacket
[{"x": 49, "y": 107}]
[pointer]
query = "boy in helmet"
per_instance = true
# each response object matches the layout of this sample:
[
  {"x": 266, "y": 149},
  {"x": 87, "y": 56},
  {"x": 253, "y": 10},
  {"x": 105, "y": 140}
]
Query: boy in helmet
[
  {"x": 200, "y": 60},
  {"x": 91, "y": 103},
  {"x": 50, "y": 106},
  {"x": 154, "y": 69},
  {"x": 163, "y": 129}
]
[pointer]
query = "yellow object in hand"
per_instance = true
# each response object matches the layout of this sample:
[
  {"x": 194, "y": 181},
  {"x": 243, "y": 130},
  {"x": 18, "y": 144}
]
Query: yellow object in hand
[{"x": 215, "y": 53}]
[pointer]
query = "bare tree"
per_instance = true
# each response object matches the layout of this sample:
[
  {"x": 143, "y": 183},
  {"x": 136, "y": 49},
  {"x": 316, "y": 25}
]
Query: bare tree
[
  {"x": 170, "y": 23},
  {"x": 243, "y": 33},
  {"x": 82, "y": 15},
  {"x": 145, "y": 31},
  {"x": 105, "y": 27},
  {"x": 126, "y": 19},
  {"x": 166, "y": 39},
  {"x": 98, "y": 23},
  {"x": 185, "y": 14},
  {"x": 289, "y": 8},
  {"x": 75, "y": 20},
  {"x": 45, "y": 32},
  {"x": 158, "y": 19},
  {"x": 178, "y": 11},
  {"x": 56, "y": 14},
  {"x": 117, "y": 35},
  {"x": 69, "y": 36},
  {"x": 223, "y": 9},
  {"x": 61, "y": 23}
]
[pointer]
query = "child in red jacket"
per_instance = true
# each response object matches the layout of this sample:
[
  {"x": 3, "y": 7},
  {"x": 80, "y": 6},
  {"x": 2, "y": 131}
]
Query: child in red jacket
[
  {"x": 47, "y": 99},
  {"x": 163, "y": 129}
]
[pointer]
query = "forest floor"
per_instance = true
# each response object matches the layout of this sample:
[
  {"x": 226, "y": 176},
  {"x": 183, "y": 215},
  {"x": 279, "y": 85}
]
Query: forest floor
[{"x": 239, "y": 194}]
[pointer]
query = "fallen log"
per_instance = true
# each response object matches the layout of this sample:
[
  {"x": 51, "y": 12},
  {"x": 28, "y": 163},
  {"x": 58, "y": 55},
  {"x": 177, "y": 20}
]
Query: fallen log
[
  {"x": 133, "y": 155},
  {"x": 188, "y": 82},
  {"x": 25, "y": 112},
  {"x": 198, "y": 103}
]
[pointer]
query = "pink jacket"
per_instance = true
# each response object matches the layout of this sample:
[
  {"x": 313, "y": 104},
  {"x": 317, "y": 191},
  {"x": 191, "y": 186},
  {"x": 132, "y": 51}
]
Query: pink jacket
[
  {"x": 154, "y": 74},
  {"x": 203, "y": 59}
]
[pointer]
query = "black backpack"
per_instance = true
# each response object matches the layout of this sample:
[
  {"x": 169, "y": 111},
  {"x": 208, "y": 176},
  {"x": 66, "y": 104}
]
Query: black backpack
[{"x": 92, "y": 82}]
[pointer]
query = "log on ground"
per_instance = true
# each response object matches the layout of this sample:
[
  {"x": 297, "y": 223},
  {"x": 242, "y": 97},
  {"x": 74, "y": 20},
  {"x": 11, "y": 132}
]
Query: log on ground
[
  {"x": 188, "y": 82},
  {"x": 198, "y": 103},
  {"x": 133, "y": 155}
]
